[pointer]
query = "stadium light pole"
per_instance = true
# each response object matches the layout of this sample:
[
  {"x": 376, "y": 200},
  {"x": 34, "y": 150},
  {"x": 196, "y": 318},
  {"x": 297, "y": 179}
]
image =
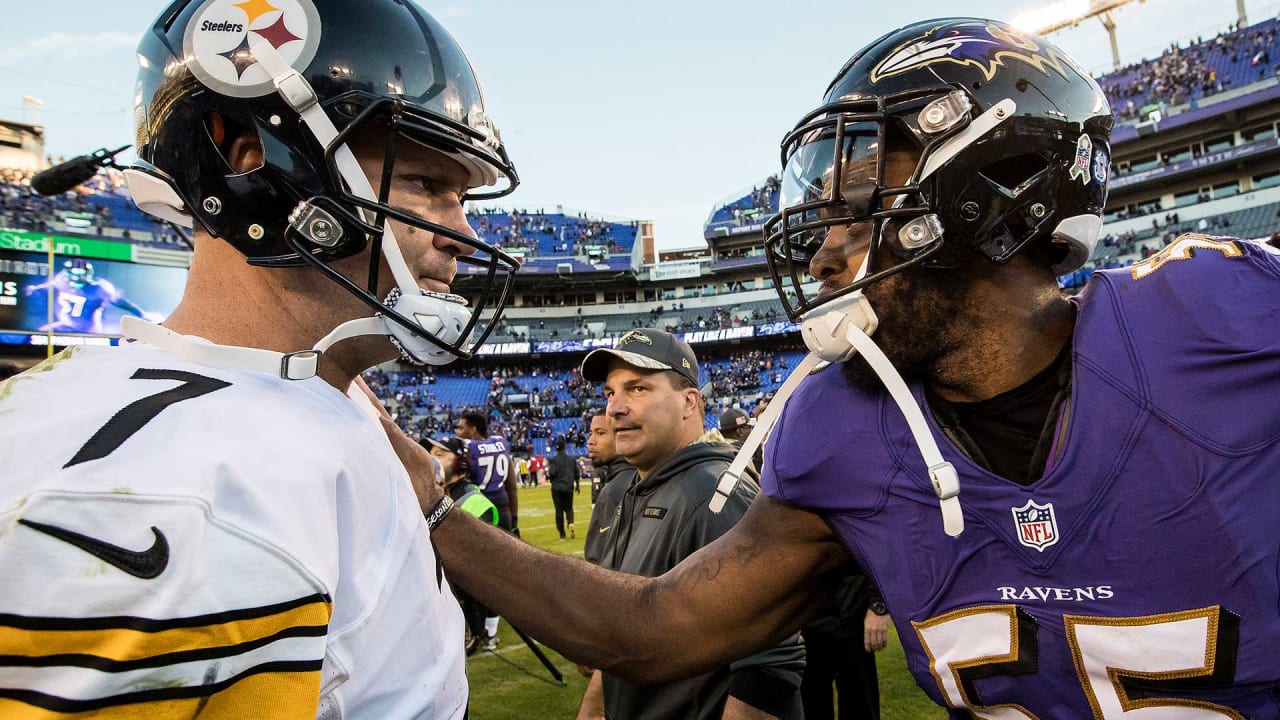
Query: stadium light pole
[
  {"x": 1070, "y": 13},
  {"x": 36, "y": 103}
]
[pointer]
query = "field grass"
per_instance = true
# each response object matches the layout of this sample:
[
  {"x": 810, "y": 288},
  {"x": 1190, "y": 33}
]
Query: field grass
[{"x": 512, "y": 685}]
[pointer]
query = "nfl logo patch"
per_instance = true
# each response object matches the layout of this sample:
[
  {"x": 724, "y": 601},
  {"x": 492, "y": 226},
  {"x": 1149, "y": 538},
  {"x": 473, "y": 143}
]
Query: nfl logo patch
[{"x": 1036, "y": 525}]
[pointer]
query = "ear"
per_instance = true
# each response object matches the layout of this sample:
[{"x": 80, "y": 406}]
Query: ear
[
  {"x": 692, "y": 402},
  {"x": 245, "y": 153}
]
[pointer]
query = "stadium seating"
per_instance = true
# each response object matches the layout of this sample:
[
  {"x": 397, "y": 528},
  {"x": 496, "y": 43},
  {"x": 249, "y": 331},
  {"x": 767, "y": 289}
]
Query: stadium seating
[
  {"x": 544, "y": 235},
  {"x": 1189, "y": 74}
]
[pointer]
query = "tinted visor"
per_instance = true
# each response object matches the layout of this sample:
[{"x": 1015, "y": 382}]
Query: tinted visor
[
  {"x": 811, "y": 167},
  {"x": 812, "y": 199}
]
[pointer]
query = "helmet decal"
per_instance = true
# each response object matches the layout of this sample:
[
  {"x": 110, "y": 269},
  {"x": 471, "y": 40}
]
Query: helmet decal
[
  {"x": 983, "y": 45},
  {"x": 220, "y": 40},
  {"x": 1084, "y": 153},
  {"x": 1101, "y": 168}
]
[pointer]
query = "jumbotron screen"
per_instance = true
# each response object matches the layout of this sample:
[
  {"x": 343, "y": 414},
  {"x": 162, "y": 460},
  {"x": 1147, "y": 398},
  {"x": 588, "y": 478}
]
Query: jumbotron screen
[{"x": 83, "y": 296}]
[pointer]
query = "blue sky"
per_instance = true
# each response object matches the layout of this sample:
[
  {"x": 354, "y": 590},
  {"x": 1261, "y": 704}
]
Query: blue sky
[{"x": 653, "y": 110}]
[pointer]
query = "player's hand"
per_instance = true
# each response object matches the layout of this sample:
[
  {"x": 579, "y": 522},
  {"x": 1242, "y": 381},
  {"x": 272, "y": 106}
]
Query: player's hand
[
  {"x": 875, "y": 632},
  {"x": 585, "y": 671},
  {"x": 420, "y": 464}
]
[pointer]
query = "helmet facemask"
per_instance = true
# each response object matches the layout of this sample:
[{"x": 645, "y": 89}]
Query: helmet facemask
[
  {"x": 847, "y": 140},
  {"x": 329, "y": 221},
  {"x": 307, "y": 94}
]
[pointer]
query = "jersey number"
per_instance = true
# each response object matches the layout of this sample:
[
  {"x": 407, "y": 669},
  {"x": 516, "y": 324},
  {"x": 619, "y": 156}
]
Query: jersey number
[
  {"x": 70, "y": 304},
  {"x": 135, "y": 415},
  {"x": 1113, "y": 656},
  {"x": 494, "y": 465},
  {"x": 1183, "y": 249}
]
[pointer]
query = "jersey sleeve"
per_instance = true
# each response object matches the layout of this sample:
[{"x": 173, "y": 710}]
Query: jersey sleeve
[
  {"x": 125, "y": 606},
  {"x": 1203, "y": 307}
]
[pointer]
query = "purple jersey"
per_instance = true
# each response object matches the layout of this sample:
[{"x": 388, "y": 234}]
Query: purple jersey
[
  {"x": 80, "y": 306},
  {"x": 489, "y": 461},
  {"x": 1141, "y": 571}
]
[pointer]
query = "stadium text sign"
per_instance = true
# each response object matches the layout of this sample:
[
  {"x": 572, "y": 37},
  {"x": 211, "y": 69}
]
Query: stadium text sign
[
  {"x": 675, "y": 271},
  {"x": 78, "y": 247}
]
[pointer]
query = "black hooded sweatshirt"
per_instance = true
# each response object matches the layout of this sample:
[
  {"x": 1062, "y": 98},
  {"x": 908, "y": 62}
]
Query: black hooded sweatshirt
[{"x": 660, "y": 520}]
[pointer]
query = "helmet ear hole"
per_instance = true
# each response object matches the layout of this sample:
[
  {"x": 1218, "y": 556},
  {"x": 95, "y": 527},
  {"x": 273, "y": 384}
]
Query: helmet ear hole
[{"x": 237, "y": 143}]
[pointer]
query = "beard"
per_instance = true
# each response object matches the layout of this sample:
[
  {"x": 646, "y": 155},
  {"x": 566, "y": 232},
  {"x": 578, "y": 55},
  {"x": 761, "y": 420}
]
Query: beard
[{"x": 920, "y": 310}]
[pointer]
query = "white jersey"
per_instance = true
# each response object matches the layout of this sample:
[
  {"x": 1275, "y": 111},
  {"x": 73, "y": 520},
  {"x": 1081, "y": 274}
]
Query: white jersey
[{"x": 179, "y": 540}]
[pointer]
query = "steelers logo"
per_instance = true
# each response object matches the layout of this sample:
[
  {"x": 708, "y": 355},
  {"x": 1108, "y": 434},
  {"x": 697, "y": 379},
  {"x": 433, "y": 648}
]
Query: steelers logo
[{"x": 224, "y": 37}]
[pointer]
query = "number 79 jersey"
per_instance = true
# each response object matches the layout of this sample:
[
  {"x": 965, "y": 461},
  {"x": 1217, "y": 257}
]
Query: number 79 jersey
[
  {"x": 489, "y": 462},
  {"x": 1139, "y": 577}
]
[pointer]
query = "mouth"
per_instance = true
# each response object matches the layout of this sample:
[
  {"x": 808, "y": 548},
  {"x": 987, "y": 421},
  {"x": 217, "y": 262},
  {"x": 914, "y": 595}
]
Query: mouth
[{"x": 433, "y": 284}]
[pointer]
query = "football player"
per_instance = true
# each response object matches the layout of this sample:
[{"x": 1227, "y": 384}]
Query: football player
[
  {"x": 491, "y": 467},
  {"x": 200, "y": 521},
  {"x": 82, "y": 297},
  {"x": 1068, "y": 503},
  {"x": 492, "y": 470}
]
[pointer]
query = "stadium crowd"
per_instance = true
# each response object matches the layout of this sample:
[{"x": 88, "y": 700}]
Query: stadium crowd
[
  {"x": 552, "y": 402},
  {"x": 1186, "y": 74}
]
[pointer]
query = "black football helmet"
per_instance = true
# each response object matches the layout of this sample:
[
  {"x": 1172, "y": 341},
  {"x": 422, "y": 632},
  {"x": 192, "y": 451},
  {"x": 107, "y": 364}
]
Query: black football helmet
[
  {"x": 307, "y": 76},
  {"x": 1013, "y": 145}
]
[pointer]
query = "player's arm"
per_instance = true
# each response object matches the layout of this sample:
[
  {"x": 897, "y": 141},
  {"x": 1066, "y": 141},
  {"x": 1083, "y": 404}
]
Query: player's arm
[
  {"x": 748, "y": 590},
  {"x": 513, "y": 498},
  {"x": 592, "y": 707}
]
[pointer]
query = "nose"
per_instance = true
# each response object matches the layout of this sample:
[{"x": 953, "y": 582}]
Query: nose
[
  {"x": 837, "y": 262},
  {"x": 454, "y": 217},
  {"x": 617, "y": 405},
  {"x": 830, "y": 260}
]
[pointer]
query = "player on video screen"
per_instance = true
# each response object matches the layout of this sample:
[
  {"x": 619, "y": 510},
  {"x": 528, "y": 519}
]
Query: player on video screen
[{"x": 81, "y": 298}]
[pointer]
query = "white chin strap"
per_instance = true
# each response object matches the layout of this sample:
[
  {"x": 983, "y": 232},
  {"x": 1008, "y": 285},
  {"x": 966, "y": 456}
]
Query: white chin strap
[
  {"x": 839, "y": 332},
  {"x": 443, "y": 315}
]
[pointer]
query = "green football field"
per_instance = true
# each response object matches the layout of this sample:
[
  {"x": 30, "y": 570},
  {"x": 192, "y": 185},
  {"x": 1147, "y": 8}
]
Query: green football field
[{"x": 511, "y": 684}]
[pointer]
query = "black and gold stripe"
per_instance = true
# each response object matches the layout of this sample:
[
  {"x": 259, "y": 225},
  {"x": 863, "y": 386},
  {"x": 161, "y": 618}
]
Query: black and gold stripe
[{"x": 286, "y": 688}]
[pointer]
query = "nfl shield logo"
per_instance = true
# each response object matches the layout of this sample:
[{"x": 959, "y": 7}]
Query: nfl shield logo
[{"x": 1036, "y": 524}]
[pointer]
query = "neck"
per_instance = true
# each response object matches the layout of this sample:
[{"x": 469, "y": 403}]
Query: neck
[
  {"x": 1003, "y": 352},
  {"x": 272, "y": 309}
]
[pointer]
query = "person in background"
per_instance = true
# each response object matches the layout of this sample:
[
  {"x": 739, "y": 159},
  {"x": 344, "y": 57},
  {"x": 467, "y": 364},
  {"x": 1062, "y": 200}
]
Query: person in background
[
  {"x": 491, "y": 467},
  {"x": 840, "y": 649},
  {"x": 453, "y": 455},
  {"x": 656, "y": 411},
  {"x": 563, "y": 473}
]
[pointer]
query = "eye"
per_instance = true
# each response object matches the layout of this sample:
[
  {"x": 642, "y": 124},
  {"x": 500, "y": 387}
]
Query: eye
[{"x": 440, "y": 186}]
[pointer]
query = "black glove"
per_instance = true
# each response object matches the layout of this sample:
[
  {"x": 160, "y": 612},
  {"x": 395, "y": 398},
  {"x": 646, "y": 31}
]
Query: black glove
[{"x": 515, "y": 531}]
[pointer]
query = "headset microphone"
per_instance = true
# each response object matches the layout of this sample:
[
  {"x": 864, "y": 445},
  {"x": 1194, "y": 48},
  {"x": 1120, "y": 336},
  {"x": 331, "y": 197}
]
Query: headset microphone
[{"x": 71, "y": 174}]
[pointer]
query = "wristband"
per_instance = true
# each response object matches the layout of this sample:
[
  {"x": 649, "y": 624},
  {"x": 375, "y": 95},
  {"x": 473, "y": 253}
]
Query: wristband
[{"x": 437, "y": 514}]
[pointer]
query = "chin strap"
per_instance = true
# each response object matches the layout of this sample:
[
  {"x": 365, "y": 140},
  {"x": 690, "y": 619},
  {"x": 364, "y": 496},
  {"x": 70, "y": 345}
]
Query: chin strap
[
  {"x": 836, "y": 336},
  {"x": 443, "y": 315},
  {"x": 764, "y": 424},
  {"x": 290, "y": 366}
]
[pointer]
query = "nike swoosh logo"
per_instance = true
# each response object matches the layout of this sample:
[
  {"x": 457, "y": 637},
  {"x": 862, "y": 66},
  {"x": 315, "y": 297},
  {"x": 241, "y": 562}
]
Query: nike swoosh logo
[
  {"x": 604, "y": 529},
  {"x": 145, "y": 564}
]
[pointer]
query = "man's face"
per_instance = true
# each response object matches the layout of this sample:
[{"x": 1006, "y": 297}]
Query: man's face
[
  {"x": 449, "y": 461},
  {"x": 465, "y": 431},
  {"x": 648, "y": 414},
  {"x": 426, "y": 184},
  {"x": 600, "y": 444},
  {"x": 916, "y": 308}
]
